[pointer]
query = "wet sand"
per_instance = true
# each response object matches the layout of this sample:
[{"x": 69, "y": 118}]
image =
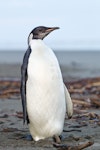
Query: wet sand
[{"x": 12, "y": 129}]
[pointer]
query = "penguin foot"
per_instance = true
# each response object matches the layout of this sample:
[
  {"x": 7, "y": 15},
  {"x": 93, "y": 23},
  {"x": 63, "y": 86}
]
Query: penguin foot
[
  {"x": 57, "y": 139},
  {"x": 62, "y": 137},
  {"x": 57, "y": 142},
  {"x": 28, "y": 137}
]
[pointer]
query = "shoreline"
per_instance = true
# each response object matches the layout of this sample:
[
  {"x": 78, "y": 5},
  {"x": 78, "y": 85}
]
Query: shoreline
[
  {"x": 74, "y": 64},
  {"x": 69, "y": 71}
]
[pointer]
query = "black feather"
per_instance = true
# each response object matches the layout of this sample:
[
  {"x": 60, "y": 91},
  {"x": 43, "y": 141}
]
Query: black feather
[{"x": 23, "y": 84}]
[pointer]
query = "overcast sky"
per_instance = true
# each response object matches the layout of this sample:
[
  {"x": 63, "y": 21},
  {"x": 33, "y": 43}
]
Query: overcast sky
[{"x": 79, "y": 22}]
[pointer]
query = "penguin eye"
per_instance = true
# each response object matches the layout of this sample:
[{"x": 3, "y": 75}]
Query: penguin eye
[{"x": 40, "y": 30}]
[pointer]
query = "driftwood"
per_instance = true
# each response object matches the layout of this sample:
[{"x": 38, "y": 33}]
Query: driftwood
[
  {"x": 84, "y": 92},
  {"x": 80, "y": 102},
  {"x": 9, "y": 88},
  {"x": 78, "y": 147},
  {"x": 96, "y": 101}
]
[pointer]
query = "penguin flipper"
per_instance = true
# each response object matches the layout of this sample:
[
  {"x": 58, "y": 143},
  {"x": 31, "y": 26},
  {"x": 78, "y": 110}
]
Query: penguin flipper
[
  {"x": 69, "y": 103},
  {"x": 23, "y": 84}
]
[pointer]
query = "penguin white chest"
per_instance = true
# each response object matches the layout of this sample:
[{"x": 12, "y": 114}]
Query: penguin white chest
[{"x": 44, "y": 92}]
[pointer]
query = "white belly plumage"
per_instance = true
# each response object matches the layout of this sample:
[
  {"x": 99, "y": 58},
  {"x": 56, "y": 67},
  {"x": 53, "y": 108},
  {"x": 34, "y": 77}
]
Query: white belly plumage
[{"x": 44, "y": 92}]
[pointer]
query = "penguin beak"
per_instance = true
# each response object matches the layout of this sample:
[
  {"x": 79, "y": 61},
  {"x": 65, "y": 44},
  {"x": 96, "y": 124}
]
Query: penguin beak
[
  {"x": 47, "y": 31},
  {"x": 51, "y": 29}
]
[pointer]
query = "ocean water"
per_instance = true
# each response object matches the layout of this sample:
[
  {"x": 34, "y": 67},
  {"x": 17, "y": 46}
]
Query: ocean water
[
  {"x": 85, "y": 58},
  {"x": 73, "y": 63}
]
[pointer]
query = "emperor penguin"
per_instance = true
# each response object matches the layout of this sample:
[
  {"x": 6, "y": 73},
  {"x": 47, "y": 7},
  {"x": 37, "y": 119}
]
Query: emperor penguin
[{"x": 45, "y": 98}]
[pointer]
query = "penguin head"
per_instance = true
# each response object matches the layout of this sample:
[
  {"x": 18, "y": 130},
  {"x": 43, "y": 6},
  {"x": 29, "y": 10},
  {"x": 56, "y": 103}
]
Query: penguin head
[{"x": 40, "y": 32}]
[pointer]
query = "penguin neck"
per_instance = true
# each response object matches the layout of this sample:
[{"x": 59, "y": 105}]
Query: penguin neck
[
  {"x": 37, "y": 46},
  {"x": 34, "y": 41}
]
